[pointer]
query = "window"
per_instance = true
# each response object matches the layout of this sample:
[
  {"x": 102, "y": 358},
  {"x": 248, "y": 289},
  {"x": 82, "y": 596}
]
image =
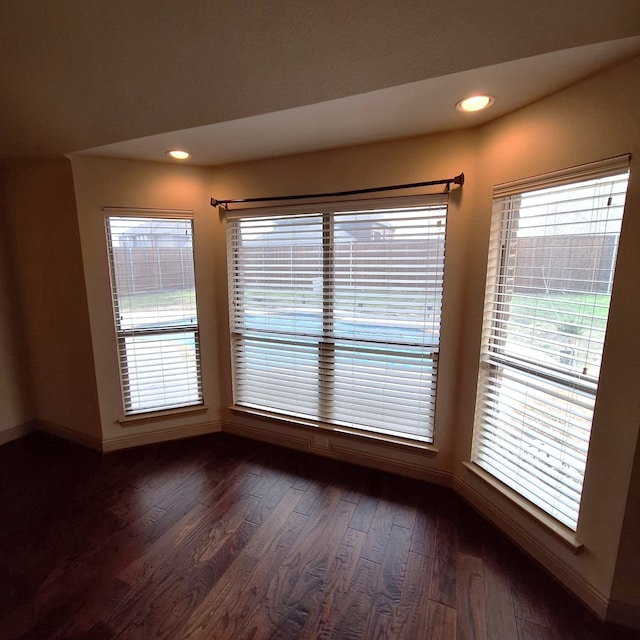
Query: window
[
  {"x": 154, "y": 305},
  {"x": 335, "y": 315},
  {"x": 551, "y": 265}
]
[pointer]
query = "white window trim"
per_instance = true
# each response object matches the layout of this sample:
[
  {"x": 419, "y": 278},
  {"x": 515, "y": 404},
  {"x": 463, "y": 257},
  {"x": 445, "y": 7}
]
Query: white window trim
[
  {"x": 338, "y": 207},
  {"x": 583, "y": 384},
  {"x": 143, "y": 416}
]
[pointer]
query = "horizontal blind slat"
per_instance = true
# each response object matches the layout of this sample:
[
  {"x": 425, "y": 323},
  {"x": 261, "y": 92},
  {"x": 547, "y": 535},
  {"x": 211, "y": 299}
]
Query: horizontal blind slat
[
  {"x": 344, "y": 309},
  {"x": 153, "y": 294},
  {"x": 550, "y": 270}
]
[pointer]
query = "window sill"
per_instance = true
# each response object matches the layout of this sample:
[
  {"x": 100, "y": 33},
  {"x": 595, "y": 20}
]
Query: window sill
[
  {"x": 565, "y": 535},
  {"x": 157, "y": 416},
  {"x": 328, "y": 429}
]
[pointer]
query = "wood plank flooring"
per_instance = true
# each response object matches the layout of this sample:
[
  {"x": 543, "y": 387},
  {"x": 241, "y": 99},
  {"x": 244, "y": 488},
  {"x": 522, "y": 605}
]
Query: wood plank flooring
[{"x": 218, "y": 537}]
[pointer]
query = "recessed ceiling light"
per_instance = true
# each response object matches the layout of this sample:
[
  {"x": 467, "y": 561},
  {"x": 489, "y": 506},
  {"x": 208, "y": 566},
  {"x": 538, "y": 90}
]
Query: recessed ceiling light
[
  {"x": 177, "y": 154},
  {"x": 475, "y": 103}
]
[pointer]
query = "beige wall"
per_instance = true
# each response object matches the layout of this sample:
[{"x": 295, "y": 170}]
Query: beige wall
[
  {"x": 15, "y": 393},
  {"x": 626, "y": 585},
  {"x": 40, "y": 205},
  {"x": 103, "y": 183}
]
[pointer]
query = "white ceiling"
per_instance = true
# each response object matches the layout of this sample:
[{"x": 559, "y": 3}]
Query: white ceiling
[
  {"x": 416, "y": 108},
  {"x": 239, "y": 79}
]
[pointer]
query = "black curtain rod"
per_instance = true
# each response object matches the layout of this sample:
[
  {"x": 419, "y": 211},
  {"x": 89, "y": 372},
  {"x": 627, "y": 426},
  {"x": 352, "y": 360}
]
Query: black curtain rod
[{"x": 459, "y": 180}]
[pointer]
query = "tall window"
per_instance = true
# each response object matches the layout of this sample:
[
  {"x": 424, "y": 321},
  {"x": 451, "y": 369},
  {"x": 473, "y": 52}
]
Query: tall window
[
  {"x": 152, "y": 281},
  {"x": 335, "y": 315},
  {"x": 551, "y": 265}
]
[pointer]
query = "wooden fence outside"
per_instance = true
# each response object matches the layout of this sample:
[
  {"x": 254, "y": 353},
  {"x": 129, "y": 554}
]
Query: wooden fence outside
[
  {"x": 152, "y": 269},
  {"x": 580, "y": 263}
]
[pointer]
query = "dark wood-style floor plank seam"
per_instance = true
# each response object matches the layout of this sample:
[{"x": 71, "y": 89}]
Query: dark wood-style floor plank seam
[{"x": 217, "y": 537}]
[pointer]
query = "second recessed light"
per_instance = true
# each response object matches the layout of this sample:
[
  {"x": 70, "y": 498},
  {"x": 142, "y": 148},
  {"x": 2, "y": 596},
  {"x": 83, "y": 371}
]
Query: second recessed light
[
  {"x": 178, "y": 154},
  {"x": 475, "y": 103}
]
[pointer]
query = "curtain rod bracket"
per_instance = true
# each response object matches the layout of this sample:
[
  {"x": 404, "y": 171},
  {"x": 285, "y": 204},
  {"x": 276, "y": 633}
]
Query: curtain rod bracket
[
  {"x": 447, "y": 182},
  {"x": 219, "y": 203}
]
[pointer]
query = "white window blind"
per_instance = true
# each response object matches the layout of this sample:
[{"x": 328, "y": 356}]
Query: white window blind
[
  {"x": 153, "y": 288},
  {"x": 551, "y": 266},
  {"x": 335, "y": 316}
]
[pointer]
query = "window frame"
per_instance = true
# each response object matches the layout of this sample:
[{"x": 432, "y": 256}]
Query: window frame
[
  {"x": 327, "y": 346},
  {"x": 133, "y": 415},
  {"x": 495, "y": 362}
]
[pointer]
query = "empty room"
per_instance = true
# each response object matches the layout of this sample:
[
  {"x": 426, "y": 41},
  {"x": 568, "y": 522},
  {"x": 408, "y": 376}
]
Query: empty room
[{"x": 318, "y": 320}]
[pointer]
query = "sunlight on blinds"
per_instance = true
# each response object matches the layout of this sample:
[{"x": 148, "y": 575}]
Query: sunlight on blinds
[
  {"x": 336, "y": 316},
  {"x": 153, "y": 287},
  {"x": 551, "y": 267}
]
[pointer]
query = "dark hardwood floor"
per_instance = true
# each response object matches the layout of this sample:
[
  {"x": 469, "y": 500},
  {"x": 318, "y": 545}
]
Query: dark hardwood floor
[{"x": 219, "y": 537}]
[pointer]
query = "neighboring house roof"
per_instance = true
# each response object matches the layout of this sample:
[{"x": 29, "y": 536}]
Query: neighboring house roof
[
  {"x": 343, "y": 232},
  {"x": 158, "y": 229}
]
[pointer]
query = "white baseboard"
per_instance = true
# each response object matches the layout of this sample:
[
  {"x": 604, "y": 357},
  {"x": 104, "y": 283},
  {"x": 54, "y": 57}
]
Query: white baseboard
[
  {"x": 94, "y": 442},
  {"x": 159, "y": 435},
  {"x": 13, "y": 433},
  {"x": 345, "y": 448},
  {"x": 528, "y": 542}
]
